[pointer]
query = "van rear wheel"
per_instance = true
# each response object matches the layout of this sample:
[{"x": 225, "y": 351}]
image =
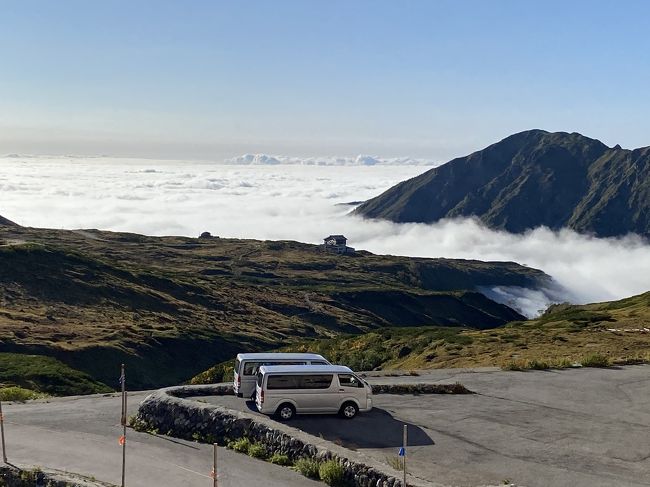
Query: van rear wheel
[
  {"x": 285, "y": 412},
  {"x": 349, "y": 410}
]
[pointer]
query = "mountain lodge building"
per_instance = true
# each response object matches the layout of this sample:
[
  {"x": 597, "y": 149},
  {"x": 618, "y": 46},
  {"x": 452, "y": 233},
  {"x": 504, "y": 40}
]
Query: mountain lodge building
[{"x": 337, "y": 244}]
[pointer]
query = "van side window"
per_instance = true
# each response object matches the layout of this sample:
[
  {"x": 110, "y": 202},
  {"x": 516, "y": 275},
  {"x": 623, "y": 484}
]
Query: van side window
[
  {"x": 282, "y": 382},
  {"x": 348, "y": 380},
  {"x": 250, "y": 368},
  {"x": 316, "y": 381},
  {"x": 318, "y": 362}
]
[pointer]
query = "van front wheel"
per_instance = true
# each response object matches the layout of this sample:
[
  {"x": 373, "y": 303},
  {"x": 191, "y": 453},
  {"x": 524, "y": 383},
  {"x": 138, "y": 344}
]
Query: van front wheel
[
  {"x": 349, "y": 410},
  {"x": 285, "y": 412}
]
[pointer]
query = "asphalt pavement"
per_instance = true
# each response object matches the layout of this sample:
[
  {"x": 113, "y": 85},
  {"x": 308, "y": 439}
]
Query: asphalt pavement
[
  {"x": 80, "y": 434},
  {"x": 574, "y": 427}
]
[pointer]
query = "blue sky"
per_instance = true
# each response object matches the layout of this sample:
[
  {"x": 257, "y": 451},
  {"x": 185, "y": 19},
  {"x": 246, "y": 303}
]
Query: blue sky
[{"x": 432, "y": 79}]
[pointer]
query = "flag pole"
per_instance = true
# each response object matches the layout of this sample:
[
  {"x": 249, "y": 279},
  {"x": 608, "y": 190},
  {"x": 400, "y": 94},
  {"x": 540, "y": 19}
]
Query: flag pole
[
  {"x": 123, "y": 421},
  {"x": 214, "y": 467},
  {"x": 405, "y": 441},
  {"x": 2, "y": 433}
]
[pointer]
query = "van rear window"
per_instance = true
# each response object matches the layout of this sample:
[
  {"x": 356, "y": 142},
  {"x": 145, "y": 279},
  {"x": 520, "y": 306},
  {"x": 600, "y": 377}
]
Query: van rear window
[
  {"x": 316, "y": 381},
  {"x": 250, "y": 368}
]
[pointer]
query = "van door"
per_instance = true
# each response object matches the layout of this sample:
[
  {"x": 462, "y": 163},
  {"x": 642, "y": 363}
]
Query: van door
[
  {"x": 351, "y": 388},
  {"x": 316, "y": 393}
]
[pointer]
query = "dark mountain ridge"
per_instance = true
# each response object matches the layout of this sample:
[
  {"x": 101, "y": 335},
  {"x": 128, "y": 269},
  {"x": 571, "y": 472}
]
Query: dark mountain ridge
[
  {"x": 530, "y": 179},
  {"x": 6, "y": 222}
]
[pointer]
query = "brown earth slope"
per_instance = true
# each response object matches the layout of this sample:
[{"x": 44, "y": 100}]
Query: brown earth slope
[{"x": 170, "y": 307}]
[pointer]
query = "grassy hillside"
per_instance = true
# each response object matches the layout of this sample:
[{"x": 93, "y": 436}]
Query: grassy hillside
[
  {"x": 46, "y": 375},
  {"x": 592, "y": 334},
  {"x": 170, "y": 307}
]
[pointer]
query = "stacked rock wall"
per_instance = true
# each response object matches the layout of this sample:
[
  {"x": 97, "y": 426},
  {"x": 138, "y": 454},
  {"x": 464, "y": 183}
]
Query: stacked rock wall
[{"x": 167, "y": 413}]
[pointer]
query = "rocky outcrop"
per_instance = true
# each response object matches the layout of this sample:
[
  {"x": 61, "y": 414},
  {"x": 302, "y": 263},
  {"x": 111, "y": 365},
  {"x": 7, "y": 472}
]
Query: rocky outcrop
[{"x": 167, "y": 412}]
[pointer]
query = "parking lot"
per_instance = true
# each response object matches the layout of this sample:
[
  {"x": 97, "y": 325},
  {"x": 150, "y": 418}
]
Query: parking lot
[{"x": 576, "y": 427}]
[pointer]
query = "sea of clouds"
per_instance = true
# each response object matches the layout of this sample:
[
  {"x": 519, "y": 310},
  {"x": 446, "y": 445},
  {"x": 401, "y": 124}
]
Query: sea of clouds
[
  {"x": 360, "y": 160},
  {"x": 304, "y": 202}
]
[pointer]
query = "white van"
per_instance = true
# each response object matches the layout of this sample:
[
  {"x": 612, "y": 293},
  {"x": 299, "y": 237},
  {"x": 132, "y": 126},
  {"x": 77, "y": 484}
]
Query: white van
[
  {"x": 287, "y": 390},
  {"x": 246, "y": 366}
]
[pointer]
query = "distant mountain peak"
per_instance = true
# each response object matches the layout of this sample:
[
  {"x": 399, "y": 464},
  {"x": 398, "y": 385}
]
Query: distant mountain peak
[
  {"x": 530, "y": 179},
  {"x": 7, "y": 223}
]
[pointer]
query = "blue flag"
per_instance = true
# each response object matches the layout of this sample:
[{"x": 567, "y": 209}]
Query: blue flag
[{"x": 402, "y": 452}]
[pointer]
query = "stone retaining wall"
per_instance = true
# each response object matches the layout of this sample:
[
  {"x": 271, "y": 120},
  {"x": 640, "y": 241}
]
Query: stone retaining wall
[
  {"x": 421, "y": 388},
  {"x": 169, "y": 414},
  {"x": 24, "y": 477}
]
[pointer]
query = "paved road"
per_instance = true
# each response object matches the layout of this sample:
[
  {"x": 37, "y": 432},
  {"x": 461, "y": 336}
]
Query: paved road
[
  {"x": 80, "y": 434},
  {"x": 577, "y": 428}
]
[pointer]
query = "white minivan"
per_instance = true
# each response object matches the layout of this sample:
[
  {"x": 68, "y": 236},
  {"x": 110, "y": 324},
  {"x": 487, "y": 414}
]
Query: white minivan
[
  {"x": 247, "y": 364},
  {"x": 287, "y": 390}
]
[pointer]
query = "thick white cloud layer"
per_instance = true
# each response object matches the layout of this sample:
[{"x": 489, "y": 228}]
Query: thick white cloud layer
[{"x": 305, "y": 203}]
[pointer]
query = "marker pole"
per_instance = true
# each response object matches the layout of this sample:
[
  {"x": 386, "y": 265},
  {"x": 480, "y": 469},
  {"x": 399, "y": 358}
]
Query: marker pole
[
  {"x": 2, "y": 433},
  {"x": 123, "y": 420},
  {"x": 404, "y": 442},
  {"x": 214, "y": 467}
]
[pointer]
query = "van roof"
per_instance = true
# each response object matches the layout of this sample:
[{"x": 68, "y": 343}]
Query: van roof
[
  {"x": 279, "y": 356},
  {"x": 304, "y": 369}
]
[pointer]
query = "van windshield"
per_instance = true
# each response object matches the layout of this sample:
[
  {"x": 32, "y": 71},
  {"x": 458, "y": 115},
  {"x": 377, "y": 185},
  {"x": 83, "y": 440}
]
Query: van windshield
[
  {"x": 260, "y": 376},
  {"x": 237, "y": 363},
  {"x": 349, "y": 380}
]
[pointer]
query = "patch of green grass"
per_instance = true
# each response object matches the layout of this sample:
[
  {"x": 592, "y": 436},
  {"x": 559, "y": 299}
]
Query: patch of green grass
[
  {"x": 307, "y": 467},
  {"x": 537, "y": 365},
  {"x": 595, "y": 360},
  {"x": 257, "y": 450},
  {"x": 241, "y": 445},
  {"x": 280, "y": 459},
  {"x": 18, "y": 394},
  {"x": 564, "y": 363},
  {"x": 222, "y": 372},
  {"x": 331, "y": 472},
  {"x": 46, "y": 375},
  {"x": 395, "y": 462},
  {"x": 513, "y": 365}
]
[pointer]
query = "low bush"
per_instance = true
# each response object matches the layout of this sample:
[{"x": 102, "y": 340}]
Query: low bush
[
  {"x": 280, "y": 459},
  {"x": 309, "y": 468},
  {"x": 395, "y": 462},
  {"x": 331, "y": 472},
  {"x": 564, "y": 363},
  {"x": 241, "y": 445},
  {"x": 513, "y": 366},
  {"x": 595, "y": 360},
  {"x": 257, "y": 450},
  {"x": 537, "y": 365},
  {"x": 19, "y": 394}
]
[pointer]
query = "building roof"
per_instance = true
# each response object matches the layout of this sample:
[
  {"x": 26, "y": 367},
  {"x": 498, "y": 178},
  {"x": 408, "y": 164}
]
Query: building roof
[
  {"x": 301, "y": 369},
  {"x": 336, "y": 237}
]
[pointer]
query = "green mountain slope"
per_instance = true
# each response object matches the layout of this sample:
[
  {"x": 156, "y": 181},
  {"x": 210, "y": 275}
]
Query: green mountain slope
[
  {"x": 170, "y": 307},
  {"x": 614, "y": 332},
  {"x": 530, "y": 179}
]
